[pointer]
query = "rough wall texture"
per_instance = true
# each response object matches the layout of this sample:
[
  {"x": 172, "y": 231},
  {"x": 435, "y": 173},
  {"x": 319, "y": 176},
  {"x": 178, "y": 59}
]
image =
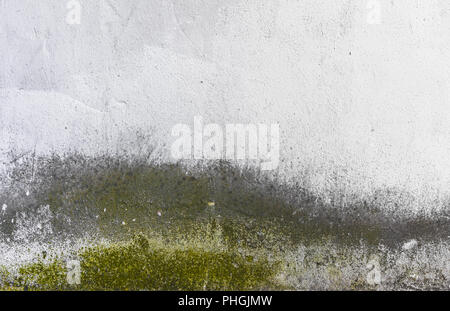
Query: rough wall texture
[{"x": 361, "y": 95}]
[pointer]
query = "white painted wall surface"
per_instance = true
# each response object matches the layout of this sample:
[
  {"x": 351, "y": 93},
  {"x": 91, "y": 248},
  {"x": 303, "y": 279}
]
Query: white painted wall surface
[{"x": 361, "y": 99}]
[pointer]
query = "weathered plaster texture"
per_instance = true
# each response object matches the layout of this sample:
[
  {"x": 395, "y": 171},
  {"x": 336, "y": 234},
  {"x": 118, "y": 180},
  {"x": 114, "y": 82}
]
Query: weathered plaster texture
[{"x": 363, "y": 103}]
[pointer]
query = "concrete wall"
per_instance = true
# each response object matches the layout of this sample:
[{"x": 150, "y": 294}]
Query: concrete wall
[{"x": 360, "y": 88}]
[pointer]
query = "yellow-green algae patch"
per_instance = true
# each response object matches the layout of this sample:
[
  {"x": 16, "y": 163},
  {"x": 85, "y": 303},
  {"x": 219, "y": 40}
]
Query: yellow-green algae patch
[{"x": 154, "y": 264}]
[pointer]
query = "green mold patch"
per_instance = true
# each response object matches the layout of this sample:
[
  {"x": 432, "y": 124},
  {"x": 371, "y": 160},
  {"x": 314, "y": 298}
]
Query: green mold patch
[
  {"x": 152, "y": 264},
  {"x": 212, "y": 227}
]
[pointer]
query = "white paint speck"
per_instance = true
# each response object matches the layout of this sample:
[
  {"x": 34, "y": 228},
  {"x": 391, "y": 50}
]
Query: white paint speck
[{"x": 410, "y": 245}]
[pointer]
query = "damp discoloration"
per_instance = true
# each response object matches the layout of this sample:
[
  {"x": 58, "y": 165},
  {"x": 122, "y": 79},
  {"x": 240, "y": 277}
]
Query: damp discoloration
[{"x": 217, "y": 211}]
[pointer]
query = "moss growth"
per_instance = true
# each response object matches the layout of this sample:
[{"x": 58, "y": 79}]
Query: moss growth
[
  {"x": 152, "y": 264},
  {"x": 42, "y": 275},
  {"x": 203, "y": 228}
]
